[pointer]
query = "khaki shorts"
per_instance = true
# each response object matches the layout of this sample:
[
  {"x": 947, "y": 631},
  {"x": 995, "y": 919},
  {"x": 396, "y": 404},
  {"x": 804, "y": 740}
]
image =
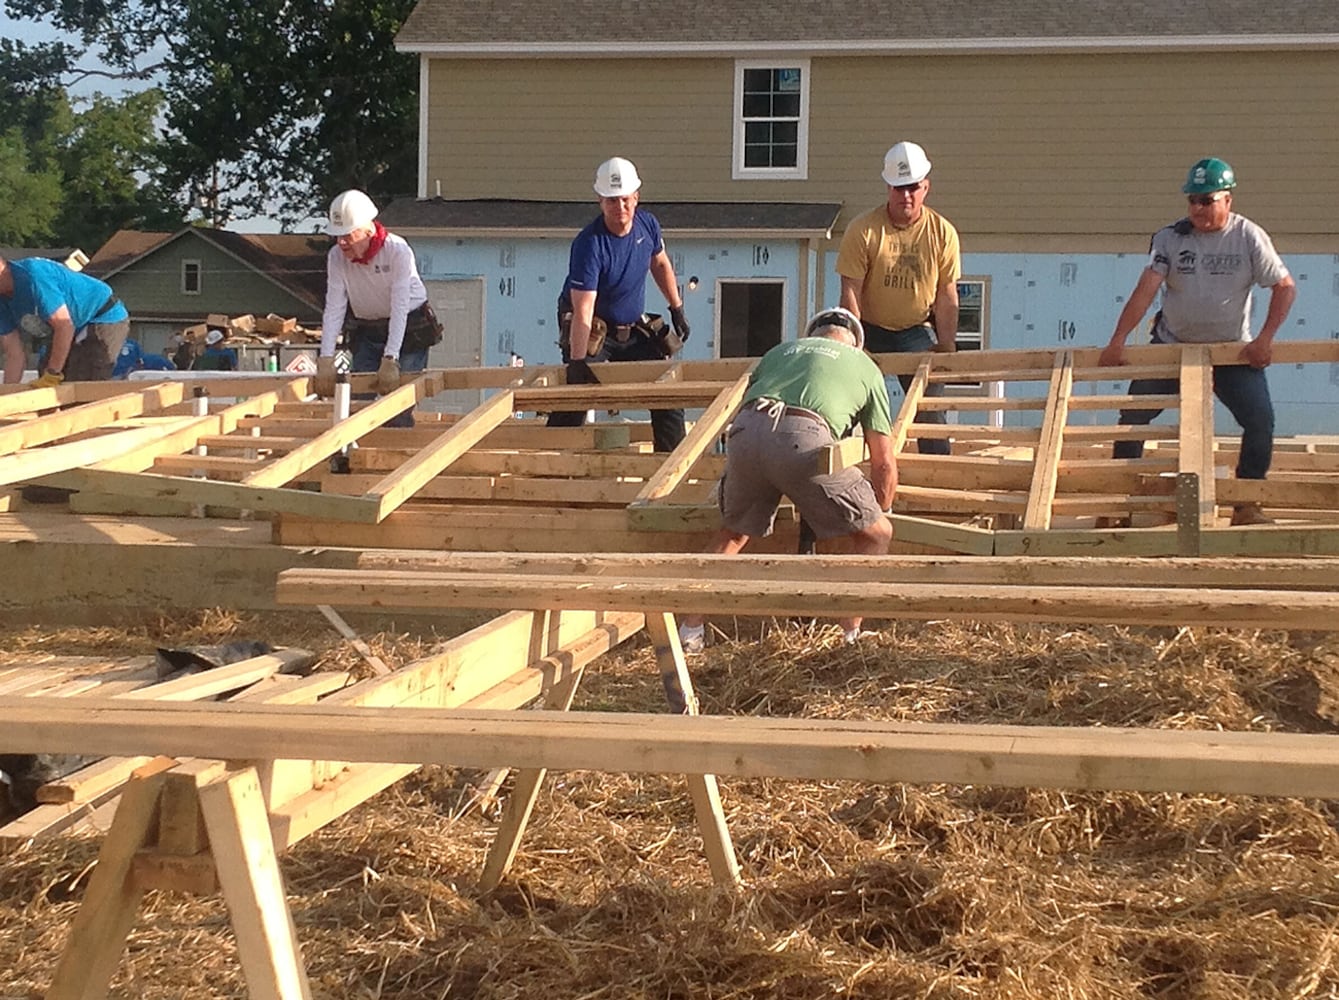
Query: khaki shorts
[{"x": 768, "y": 458}]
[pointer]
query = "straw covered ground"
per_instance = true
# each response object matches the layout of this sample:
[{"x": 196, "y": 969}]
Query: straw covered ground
[{"x": 931, "y": 892}]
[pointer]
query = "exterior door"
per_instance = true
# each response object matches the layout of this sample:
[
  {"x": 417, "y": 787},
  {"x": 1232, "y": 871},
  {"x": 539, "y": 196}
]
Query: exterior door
[
  {"x": 459, "y": 304},
  {"x": 749, "y": 316}
]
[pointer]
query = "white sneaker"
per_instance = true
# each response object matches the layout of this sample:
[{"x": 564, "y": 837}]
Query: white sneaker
[
  {"x": 853, "y": 635},
  {"x": 693, "y": 638}
]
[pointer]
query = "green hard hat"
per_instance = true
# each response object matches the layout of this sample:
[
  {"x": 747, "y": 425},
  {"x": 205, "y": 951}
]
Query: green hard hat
[{"x": 1209, "y": 175}]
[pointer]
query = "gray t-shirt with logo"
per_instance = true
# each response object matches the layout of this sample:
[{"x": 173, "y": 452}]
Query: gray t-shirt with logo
[{"x": 1209, "y": 276}]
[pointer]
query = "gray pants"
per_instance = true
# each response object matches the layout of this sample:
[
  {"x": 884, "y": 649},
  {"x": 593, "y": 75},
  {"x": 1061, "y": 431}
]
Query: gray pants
[{"x": 93, "y": 358}]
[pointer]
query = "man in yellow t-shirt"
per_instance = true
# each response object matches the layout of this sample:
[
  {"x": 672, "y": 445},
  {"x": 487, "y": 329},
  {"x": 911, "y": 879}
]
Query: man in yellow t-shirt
[{"x": 900, "y": 264}]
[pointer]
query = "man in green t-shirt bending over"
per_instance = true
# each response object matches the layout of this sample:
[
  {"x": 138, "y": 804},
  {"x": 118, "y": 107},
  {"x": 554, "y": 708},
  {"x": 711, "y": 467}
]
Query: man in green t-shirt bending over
[{"x": 803, "y": 396}]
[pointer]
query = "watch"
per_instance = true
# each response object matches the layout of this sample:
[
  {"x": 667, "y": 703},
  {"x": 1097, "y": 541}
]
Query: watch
[{"x": 52, "y": 371}]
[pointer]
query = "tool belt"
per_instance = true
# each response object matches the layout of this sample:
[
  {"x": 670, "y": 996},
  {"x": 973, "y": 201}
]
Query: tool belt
[
  {"x": 650, "y": 326},
  {"x": 107, "y": 307},
  {"x": 421, "y": 330},
  {"x": 599, "y": 332}
]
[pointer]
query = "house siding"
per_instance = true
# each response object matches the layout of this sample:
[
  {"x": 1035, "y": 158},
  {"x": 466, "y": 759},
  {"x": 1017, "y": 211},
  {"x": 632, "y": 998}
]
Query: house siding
[
  {"x": 151, "y": 286},
  {"x": 1087, "y": 147}
]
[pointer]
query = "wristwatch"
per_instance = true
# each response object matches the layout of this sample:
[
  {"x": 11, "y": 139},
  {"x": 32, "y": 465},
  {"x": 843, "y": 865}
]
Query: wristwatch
[{"x": 52, "y": 371}]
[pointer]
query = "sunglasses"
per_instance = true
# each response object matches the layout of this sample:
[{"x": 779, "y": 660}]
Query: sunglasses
[
  {"x": 908, "y": 188},
  {"x": 1206, "y": 199}
]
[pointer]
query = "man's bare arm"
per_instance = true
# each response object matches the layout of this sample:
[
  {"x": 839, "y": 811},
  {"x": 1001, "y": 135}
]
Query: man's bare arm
[
  {"x": 1145, "y": 291},
  {"x": 882, "y": 468},
  {"x": 62, "y": 338},
  {"x": 583, "y": 311},
  {"x": 851, "y": 295},
  {"x": 14, "y": 359}
]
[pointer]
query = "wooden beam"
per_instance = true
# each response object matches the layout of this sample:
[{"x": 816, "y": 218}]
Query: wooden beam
[
  {"x": 911, "y": 402},
  {"x": 40, "y": 462},
  {"x": 404, "y": 482},
  {"x": 1195, "y": 432},
  {"x": 1081, "y": 571},
  {"x": 703, "y": 434},
  {"x": 248, "y": 869},
  {"x": 1041, "y": 492},
  {"x": 809, "y": 594},
  {"x": 98, "y": 935},
  {"x": 63, "y": 423},
  {"x": 1100, "y": 758},
  {"x": 151, "y": 486},
  {"x": 299, "y": 460}
]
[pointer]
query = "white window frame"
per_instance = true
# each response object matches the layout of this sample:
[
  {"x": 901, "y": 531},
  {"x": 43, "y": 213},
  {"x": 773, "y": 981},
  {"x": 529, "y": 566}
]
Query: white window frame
[
  {"x": 199, "y": 277},
  {"x": 800, "y": 171}
]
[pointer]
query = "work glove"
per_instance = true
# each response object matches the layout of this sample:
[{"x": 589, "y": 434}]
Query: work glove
[
  {"x": 579, "y": 373},
  {"x": 680, "y": 323},
  {"x": 48, "y": 380},
  {"x": 324, "y": 382},
  {"x": 388, "y": 376}
]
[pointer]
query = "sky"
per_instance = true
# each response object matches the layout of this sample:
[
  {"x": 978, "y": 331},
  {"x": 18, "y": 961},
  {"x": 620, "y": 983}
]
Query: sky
[{"x": 32, "y": 33}]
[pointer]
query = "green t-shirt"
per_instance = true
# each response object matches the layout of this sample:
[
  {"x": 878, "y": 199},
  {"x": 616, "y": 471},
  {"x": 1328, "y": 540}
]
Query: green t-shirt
[{"x": 837, "y": 381}]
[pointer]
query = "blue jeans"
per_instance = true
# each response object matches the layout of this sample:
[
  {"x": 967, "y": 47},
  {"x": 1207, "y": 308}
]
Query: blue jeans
[
  {"x": 667, "y": 426},
  {"x": 1243, "y": 390},
  {"x": 367, "y": 356},
  {"x": 913, "y": 340}
]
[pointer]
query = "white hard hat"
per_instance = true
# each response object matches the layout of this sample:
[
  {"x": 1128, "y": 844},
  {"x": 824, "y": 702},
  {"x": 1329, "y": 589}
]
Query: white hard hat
[
  {"x": 349, "y": 211},
  {"x": 616, "y": 178},
  {"x": 905, "y": 163},
  {"x": 836, "y": 316},
  {"x": 213, "y": 336}
]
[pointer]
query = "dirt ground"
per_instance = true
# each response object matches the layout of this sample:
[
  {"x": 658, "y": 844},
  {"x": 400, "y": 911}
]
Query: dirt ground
[{"x": 931, "y": 892}]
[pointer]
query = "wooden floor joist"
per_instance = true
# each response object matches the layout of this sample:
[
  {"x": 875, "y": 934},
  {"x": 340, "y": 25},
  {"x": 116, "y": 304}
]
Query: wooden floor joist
[
  {"x": 1147, "y": 760},
  {"x": 808, "y": 593}
]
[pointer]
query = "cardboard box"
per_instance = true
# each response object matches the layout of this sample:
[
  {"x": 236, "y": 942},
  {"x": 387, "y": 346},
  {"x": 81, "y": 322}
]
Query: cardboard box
[{"x": 274, "y": 326}]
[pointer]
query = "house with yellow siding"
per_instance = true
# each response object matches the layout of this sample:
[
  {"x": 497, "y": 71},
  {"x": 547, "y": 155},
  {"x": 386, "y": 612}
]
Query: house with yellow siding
[{"x": 1060, "y": 133}]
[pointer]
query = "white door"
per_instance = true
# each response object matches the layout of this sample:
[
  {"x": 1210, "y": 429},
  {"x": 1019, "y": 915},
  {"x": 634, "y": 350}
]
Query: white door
[{"x": 459, "y": 304}]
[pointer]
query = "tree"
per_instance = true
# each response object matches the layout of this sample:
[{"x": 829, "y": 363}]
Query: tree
[
  {"x": 271, "y": 106},
  {"x": 72, "y": 175}
]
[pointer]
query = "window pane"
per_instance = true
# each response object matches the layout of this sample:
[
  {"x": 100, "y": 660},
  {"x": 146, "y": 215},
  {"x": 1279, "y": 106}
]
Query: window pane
[
  {"x": 757, "y": 105},
  {"x": 788, "y": 80},
  {"x": 786, "y": 106},
  {"x": 785, "y": 155},
  {"x": 757, "y": 81}
]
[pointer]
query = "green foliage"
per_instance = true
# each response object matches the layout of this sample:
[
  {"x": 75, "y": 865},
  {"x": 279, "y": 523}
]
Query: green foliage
[
  {"x": 31, "y": 197},
  {"x": 270, "y": 106}
]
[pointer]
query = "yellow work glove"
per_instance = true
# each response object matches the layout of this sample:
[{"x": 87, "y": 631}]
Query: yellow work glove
[
  {"x": 388, "y": 376},
  {"x": 49, "y": 380},
  {"x": 324, "y": 382}
]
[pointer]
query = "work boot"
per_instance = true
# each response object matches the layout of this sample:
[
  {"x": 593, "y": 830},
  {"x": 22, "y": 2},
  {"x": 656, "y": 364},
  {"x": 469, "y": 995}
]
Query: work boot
[{"x": 1246, "y": 514}]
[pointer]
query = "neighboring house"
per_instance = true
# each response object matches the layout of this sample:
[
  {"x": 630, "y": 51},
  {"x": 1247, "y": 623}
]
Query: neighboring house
[
  {"x": 172, "y": 280},
  {"x": 1059, "y": 131}
]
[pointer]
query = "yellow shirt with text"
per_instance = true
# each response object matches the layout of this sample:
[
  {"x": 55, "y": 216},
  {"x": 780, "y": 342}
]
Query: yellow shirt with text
[{"x": 900, "y": 270}]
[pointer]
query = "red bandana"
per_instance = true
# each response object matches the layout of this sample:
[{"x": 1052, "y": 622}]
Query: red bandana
[{"x": 377, "y": 241}]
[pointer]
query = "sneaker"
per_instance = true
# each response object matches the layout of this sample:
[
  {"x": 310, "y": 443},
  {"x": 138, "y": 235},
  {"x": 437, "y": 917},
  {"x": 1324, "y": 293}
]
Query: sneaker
[
  {"x": 853, "y": 635},
  {"x": 693, "y": 638},
  {"x": 1246, "y": 514}
]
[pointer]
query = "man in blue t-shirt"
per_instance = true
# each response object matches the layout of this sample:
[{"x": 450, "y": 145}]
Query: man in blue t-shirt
[
  {"x": 606, "y": 288},
  {"x": 81, "y": 317}
]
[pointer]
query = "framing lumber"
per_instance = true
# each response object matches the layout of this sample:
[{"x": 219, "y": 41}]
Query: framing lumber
[
  {"x": 347, "y": 431},
  {"x": 1041, "y": 493},
  {"x": 1083, "y": 571},
  {"x": 1195, "y": 439},
  {"x": 1126, "y": 759},
  {"x": 809, "y": 594},
  {"x": 88, "y": 416},
  {"x": 409, "y": 478},
  {"x": 704, "y": 432}
]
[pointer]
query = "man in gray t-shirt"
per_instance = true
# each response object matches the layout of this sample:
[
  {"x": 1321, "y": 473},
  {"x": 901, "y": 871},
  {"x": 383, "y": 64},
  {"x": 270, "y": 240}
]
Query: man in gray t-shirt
[{"x": 1206, "y": 266}]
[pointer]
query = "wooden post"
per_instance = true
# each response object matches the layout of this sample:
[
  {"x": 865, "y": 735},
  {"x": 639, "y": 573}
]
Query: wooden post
[
  {"x": 521, "y": 802},
  {"x": 248, "y": 870},
  {"x": 702, "y": 787},
  {"x": 103, "y": 922}
]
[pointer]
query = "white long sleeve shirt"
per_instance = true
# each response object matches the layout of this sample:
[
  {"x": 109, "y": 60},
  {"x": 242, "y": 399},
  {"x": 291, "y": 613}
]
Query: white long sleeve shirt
[{"x": 387, "y": 288}]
